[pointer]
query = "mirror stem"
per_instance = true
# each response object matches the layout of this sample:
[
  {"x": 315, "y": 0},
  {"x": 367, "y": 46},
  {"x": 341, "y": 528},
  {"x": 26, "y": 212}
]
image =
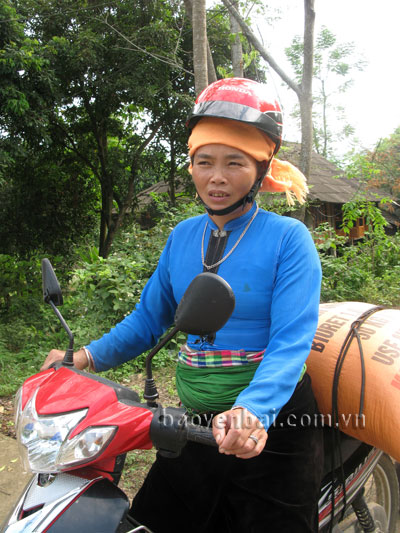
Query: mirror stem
[
  {"x": 69, "y": 354},
  {"x": 150, "y": 389}
]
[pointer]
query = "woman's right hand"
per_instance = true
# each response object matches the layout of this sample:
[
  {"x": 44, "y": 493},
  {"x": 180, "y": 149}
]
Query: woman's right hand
[{"x": 80, "y": 359}]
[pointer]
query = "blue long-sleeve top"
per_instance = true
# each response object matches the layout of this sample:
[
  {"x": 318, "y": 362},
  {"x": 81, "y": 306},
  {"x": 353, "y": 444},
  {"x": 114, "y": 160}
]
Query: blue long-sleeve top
[{"x": 275, "y": 274}]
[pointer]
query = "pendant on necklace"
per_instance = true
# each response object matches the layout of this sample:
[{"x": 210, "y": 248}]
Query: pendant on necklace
[{"x": 216, "y": 234}]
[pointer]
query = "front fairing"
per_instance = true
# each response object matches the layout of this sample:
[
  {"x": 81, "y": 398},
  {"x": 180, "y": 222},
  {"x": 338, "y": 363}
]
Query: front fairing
[{"x": 66, "y": 389}]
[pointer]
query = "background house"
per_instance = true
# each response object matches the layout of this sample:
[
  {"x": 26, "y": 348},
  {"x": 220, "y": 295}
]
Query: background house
[{"x": 330, "y": 189}]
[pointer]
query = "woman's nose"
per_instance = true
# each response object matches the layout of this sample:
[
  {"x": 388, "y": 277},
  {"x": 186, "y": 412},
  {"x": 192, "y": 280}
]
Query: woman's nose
[{"x": 218, "y": 175}]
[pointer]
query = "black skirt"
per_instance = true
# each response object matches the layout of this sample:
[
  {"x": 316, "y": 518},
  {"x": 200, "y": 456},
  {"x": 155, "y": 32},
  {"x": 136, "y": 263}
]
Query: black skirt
[{"x": 204, "y": 491}]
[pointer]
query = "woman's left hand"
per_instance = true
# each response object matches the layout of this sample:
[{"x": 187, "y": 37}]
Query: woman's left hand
[{"x": 238, "y": 432}]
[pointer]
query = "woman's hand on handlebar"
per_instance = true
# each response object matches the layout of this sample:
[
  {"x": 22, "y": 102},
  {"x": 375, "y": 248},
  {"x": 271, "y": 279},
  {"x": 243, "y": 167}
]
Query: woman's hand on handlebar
[
  {"x": 80, "y": 359},
  {"x": 238, "y": 432}
]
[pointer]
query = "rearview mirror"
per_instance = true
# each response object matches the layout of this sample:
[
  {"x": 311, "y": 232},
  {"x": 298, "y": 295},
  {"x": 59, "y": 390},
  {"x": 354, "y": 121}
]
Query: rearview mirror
[
  {"x": 52, "y": 295},
  {"x": 51, "y": 287},
  {"x": 206, "y": 306}
]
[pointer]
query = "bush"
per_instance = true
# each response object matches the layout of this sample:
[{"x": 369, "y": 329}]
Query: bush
[
  {"x": 367, "y": 271},
  {"x": 19, "y": 279}
]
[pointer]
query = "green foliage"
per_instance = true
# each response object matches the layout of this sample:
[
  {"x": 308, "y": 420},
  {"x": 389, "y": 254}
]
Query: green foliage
[
  {"x": 252, "y": 64},
  {"x": 94, "y": 98},
  {"x": 27, "y": 328},
  {"x": 386, "y": 157},
  {"x": 374, "y": 219},
  {"x": 362, "y": 168},
  {"x": 45, "y": 205},
  {"x": 368, "y": 270},
  {"x": 358, "y": 274},
  {"x": 108, "y": 289},
  {"x": 326, "y": 239},
  {"x": 18, "y": 279},
  {"x": 379, "y": 168},
  {"x": 24, "y": 88}
]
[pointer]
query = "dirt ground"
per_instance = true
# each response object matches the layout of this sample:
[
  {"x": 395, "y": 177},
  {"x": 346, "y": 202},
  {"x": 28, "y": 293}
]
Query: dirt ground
[{"x": 12, "y": 478}]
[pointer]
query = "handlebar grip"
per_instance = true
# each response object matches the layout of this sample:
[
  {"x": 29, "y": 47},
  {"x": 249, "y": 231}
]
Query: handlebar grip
[{"x": 200, "y": 434}]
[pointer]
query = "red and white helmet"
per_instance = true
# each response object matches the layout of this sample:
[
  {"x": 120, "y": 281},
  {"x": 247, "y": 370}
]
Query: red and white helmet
[{"x": 243, "y": 100}]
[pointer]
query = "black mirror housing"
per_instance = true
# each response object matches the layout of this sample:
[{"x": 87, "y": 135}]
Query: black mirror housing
[
  {"x": 206, "y": 305},
  {"x": 51, "y": 287}
]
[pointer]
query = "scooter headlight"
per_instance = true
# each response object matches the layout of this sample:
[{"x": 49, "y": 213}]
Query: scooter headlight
[
  {"x": 44, "y": 439},
  {"x": 85, "y": 446}
]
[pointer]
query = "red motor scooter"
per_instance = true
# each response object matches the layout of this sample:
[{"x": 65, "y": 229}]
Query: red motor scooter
[{"x": 74, "y": 429}]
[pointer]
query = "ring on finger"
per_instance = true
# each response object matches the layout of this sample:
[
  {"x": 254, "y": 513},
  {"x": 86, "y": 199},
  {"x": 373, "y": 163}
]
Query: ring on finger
[{"x": 254, "y": 438}]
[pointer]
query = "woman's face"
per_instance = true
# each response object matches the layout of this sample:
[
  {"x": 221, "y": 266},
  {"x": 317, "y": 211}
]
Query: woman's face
[{"x": 223, "y": 175}]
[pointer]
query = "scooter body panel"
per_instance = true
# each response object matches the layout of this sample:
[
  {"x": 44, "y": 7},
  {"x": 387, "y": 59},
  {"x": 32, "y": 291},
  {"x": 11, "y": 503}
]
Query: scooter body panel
[{"x": 68, "y": 504}]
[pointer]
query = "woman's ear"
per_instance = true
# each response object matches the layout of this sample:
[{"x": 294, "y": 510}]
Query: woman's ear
[{"x": 190, "y": 167}]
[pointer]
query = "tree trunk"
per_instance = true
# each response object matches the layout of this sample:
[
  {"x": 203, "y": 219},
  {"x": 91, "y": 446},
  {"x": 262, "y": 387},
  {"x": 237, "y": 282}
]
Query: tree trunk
[
  {"x": 212, "y": 76},
  {"x": 199, "y": 45},
  {"x": 172, "y": 172},
  {"x": 236, "y": 46},
  {"x": 110, "y": 226},
  {"x": 106, "y": 218},
  {"x": 259, "y": 47},
  {"x": 306, "y": 100}
]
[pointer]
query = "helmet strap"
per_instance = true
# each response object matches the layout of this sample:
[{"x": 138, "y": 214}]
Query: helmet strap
[{"x": 221, "y": 212}]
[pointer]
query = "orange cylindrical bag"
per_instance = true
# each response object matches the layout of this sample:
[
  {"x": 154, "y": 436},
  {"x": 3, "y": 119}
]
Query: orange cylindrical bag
[{"x": 369, "y": 375}]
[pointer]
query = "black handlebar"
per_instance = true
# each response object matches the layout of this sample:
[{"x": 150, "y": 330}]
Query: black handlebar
[
  {"x": 171, "y": 429},
  {"x": 200, "y": 434}
]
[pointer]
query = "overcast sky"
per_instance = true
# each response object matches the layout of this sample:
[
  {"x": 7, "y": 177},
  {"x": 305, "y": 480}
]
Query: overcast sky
[{"x": 373, "y": 103}]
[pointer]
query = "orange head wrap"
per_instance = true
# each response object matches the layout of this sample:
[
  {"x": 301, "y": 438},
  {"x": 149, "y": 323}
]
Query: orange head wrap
[{"x": 281, "y": 177}]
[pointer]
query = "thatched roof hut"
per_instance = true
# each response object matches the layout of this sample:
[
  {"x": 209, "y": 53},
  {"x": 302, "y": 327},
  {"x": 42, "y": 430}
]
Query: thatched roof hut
[{"x": 330, "y": 189}]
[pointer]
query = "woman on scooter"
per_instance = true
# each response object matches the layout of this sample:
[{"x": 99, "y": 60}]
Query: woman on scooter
[{"x": 250, "y": 378}]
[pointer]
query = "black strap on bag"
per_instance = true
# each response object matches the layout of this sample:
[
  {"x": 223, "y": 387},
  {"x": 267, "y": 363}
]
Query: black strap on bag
[{"x": 353, "y": 333}]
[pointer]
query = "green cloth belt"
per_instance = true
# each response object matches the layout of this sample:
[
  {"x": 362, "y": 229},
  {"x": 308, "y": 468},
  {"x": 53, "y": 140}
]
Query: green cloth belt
[{"x": 204, "y": 390}]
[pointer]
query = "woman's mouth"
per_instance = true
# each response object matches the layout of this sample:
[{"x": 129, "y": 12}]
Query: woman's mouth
[{"x": 218, "y": 194}]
